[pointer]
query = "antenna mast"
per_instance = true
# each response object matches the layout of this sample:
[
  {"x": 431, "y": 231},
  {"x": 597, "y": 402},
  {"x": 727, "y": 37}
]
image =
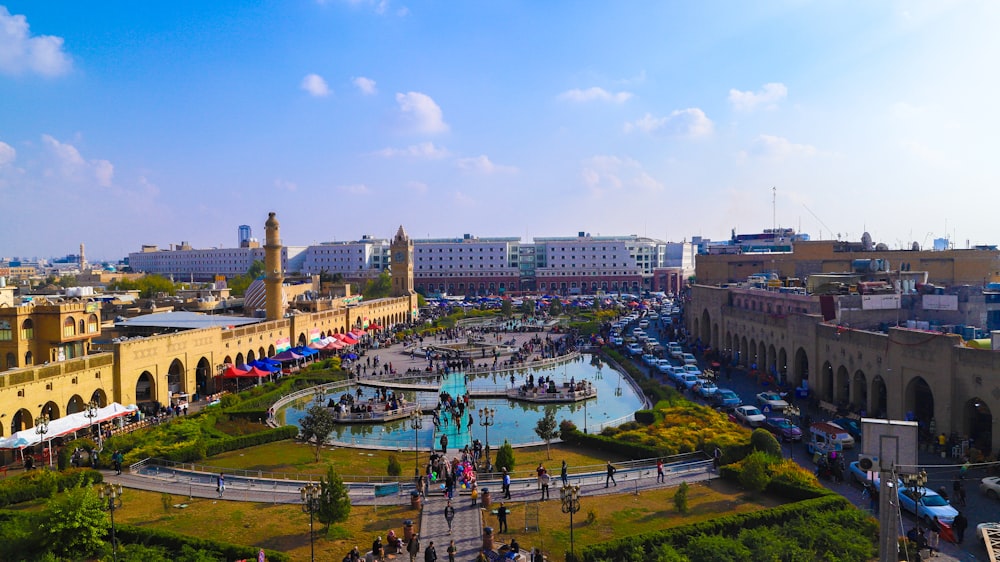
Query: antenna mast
[{"x": 774, "y": 211}]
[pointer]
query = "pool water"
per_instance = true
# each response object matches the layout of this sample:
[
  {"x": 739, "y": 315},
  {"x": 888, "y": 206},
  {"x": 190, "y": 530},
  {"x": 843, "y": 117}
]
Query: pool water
[{"x": 515, "y": 421}]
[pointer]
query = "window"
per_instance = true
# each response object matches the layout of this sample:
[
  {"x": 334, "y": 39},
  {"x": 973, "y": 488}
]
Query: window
[
  {"x": 69, "y": 328},
  {"x": 28, "y": 330},
  {"x": 6, "y": 334}
]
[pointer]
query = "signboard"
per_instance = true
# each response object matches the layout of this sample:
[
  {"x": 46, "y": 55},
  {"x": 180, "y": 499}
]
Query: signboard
[
  {"x": 92, "y": 307},
  {"x": 880, "y": 302},
  {"x": 383, "y": 490},
  {"x": 282, "y": 344},
  {"x": 940, "y": 302}
]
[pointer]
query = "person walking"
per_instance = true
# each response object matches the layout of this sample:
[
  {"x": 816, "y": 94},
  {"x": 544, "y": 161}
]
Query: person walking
[
  {"x": 545, "y": 479},
  {"x": 117, "y": 459},
  {"x": 564, "y": 474},
  {"x": 220, "y": 484},
  {"x": 611, "y": 475},
  {"x": 960, "y": 524},
  {"x": 502, "y": 518},
  {"x": 660, "y": 476},
  {"x": 449, "y": 515},
  {"x": 444, "y": 444},
  {"x": 935, "y": 538},
  {"x": 413, "y": 547},
  {"x": 452, "y": 551},
  {"x": 430, "y": 553},
  {"x": 505, "y": 484}
]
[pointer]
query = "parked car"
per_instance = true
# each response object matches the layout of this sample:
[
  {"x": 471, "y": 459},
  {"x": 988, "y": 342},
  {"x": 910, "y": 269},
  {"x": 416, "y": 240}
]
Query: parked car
[
  {"x": 689, "y": 381},
  {"x": 648, "y": 358},
  {"x": 925, "y": 504},
  {"x": 783, "y": 429},
  {"x": 664, "y": 366},
  {"x": 773, "y": 400},
  {"x": 677, "y": 374},
  {"x": 852, "y": 426},
  {"x": 689, "y": 359},
  {"x": 990, "y": 486},
  {"x": 675, "y": 350},
  {"x": 692, "y": 370},
  {"x": 634, "y": 349},
  {"x": 748, "y": 415},
  {"x": 707, "y": 389},
  {"x": 726, "y": 398}
]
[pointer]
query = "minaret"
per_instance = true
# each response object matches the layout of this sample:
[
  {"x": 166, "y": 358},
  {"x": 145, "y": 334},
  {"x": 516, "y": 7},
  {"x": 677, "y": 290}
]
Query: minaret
[
  {"x": 83, "y": 259},
  {"x": 273, "y": 276},
  {"x": 402, "y": 264}
]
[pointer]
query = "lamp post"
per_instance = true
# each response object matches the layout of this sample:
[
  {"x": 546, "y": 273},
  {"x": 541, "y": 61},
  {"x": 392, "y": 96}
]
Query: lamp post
[
  {"x": 916, "y": 483},
  {"x": 585, "y": 416},
  {"x": 486, "y": 419},
  {"x": 92, "y": 415},
  {"x": 41, "y": 428},
  {"x": 318, "y": 395},
  {"x": 570, "y": 497},
  {"x": 113, "y": 494},
  {"x": 310, "y": 504},
  {"x": 416, "y": 424}
]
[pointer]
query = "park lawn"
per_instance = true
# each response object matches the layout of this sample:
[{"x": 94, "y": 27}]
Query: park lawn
[
  {"x": 281, "y": 527},
  {"x": 358, "y": 464},
  {"x": 626, "y": 514}
]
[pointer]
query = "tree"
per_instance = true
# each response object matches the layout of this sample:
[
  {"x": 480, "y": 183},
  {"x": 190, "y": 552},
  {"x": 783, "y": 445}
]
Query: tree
[
  {"x": 528, "y": 307},
  {"x": 394, "y": 468},
  {"x": 764, "y": 441},
  {"x": 681, "y": 498},
  {"x": 506, "y": 308},
  {"x": 555, "y": 307},
  {"x": 317, "y": 424},
  {"x": 334, "y": 505},
  {"x": 378, "y": 288},
  {"x": 74, "y": 524},
  {"x": 238, "y": 285},
  {"x": 505, "y": 456},
  {"x": 546, "y": 429},
  {"x": 754, "y": 475}
]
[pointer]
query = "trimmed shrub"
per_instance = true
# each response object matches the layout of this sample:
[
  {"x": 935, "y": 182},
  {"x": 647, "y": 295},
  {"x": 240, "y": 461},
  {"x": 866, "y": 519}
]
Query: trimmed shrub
[
  {"x": 38, "y": 484},
  {"x": 763, "y": 440},
  {"x": 176, "y": 543}
]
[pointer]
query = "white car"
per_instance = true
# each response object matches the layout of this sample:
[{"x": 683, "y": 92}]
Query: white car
[
  {"x": 708, "y": 388},
  {"x": 748, "y": 415},
  {"x": 990, "y": 486},
  {"x": 664, "y": 366},
  {"x": 634, "y": 349},
  {"x": 773, "y": 400},
  {"x": 691, "y": 370},
  {"x": 690, "y": 380},
  {"x": 926, "y": 504},
  {"x": 648, "y": 358},
  {"x": 675, "y": 351},
  {"x": 689, "y": 359}
]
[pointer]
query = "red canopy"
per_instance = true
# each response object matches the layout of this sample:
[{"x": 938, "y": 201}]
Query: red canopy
[
  {"x": 233, "y": 372},
  {"x": 335, "y": 344},
  {"x": 374, "y": 327},
  {"x": 357, "y": 332},
  {"x": 346, "y": 338}
]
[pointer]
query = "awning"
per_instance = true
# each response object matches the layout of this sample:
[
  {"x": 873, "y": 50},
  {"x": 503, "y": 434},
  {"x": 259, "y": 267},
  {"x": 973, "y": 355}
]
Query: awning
[
  {"x": 304, "y": 351},
  {"x": 286, "y": 356},
  {"x": 65, "y": 425},
  {"x": 244, "y": 371}
]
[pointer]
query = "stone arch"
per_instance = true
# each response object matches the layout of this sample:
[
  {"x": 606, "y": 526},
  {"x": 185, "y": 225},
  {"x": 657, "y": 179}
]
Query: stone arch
[
  {"x": 29, "y": 359},
  {"x": 752, "y": 354},
  {"x": 918, "y": 402},
  {"x": 772, "y": 361},
  {"x": 21, "y": 420},
  {"x": 251, "y": 357},
  {"x": 203, "y": 380},
  {"x": 761, "y": 359},
  {"x": 11, "y": 360},
  {"x": 879, "y": 401},
  {"x": 51, "y": 409},
  {"x": 302, "y": 338},
  {"x": 69, "y": 327},
  {"x": 261, "y": 353},
  {"x": 842, "y": 386},
  {"x": 706, "y": 327},
  {"x": 783, "y": 366},
  {"x": 99, "y": 398},
  {"x": 93, "y": 324},
  {"x": 977, "y": 423},
  {"x": 800, "y": 369},
  {"x": 729, "y": 345},
  {"x": 145, "y": 387},
  {"x": 75, "y": 404},
  {"x": 826, "y": 382},
  {"x": 744, "y": 352},
  {"x": 176, "y": 378},
  {"x": 270, "y": 351},
  {"x": 83, "y": 327},
  {"x": 239, "y": 359},
  {"x": 228, "y": 360},
  {"x": 859, "y": 391}
]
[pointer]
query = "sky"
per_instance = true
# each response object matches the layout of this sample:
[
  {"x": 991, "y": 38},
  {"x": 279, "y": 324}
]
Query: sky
[{"x": 124, "y": 124}]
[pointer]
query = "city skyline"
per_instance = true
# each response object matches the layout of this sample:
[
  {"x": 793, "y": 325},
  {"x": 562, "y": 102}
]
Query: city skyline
[{"x": 180, "y": 122}]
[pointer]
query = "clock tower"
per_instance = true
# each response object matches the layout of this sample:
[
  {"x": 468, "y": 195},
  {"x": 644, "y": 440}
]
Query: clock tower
[{"x": 401, "y": 250}]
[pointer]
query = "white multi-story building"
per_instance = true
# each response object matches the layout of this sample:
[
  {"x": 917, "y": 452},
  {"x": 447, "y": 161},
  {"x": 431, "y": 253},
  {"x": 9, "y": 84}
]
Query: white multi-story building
[
  {"x": 467, "y": 265},
  {"x": 185, "y": 262},
  {"x": 359, "y": 260}
]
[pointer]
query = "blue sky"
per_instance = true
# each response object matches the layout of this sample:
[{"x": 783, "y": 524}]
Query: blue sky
[{"x": 183, "y": 120}]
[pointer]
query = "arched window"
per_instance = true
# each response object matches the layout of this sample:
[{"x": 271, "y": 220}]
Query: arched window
[
  {"x": 28, "y": 329},
  {"x": 69, "y": 327},
  {"x": 11, "y": 360},
  {"x": 28, "y": 358},
  {"x": 92, "y": 324}
]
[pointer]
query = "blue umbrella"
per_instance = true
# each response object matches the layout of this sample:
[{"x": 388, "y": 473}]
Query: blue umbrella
[{"x": 351, "y": 356}]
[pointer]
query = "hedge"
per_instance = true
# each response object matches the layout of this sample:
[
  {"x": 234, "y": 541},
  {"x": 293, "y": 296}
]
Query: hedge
[
  {"x": 131, "y": 534},
  {"x": 38, "y": 484},
  {"x": 779, "y": 488},
  {"x": 602, "y": 443},
  {"x": 728, "y": 525},
  {"x": 201, "y": 449}
]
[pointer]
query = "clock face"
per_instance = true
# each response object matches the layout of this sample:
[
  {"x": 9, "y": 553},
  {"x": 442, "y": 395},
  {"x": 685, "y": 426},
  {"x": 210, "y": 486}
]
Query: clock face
[{"x": 398, "y": 256}]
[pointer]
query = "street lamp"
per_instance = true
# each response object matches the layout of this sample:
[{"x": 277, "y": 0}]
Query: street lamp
[
  {"x": 113, "y": 494},
  {"x": 916, "y": 483},
  {"x": 318, "y": 395},
  {"x": 486, "y": 419},
  {"x": 416, "y": 424},
  {"x": 570, "y": 497},
  {"x": 41, "y": 428},
  {"x": 310, "y": 504},
  {"x": 91, "y": 415}
]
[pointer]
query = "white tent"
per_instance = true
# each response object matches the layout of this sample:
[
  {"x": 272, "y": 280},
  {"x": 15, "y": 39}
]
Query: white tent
[{"x": 65, "y": 425}]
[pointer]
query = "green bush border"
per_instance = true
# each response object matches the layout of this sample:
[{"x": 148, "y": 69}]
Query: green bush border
[
  {"x": 38, "y": 484},
  {"x": 132, "y": 534}
]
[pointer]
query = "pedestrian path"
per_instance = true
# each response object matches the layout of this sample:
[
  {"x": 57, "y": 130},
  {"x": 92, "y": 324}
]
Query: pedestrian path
[
  {"x": 453, "y": 428},
  {"x": 466, "y": 529}
]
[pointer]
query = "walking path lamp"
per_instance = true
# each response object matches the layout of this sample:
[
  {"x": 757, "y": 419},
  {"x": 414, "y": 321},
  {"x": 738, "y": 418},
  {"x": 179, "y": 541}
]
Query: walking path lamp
[
  {"x": 113, "y": 495},
  {"x": 91, "y": 415},
  {"x": 310, "y": 504},
  {"x": 486, "y": 419},
  {"x": 916, "y": 483},
  {"x": 570, "y": 496},
  {"x": 41, "y": 428},
  {"x": 319, "y": 395},
  {"x": 416, "y": 424}
]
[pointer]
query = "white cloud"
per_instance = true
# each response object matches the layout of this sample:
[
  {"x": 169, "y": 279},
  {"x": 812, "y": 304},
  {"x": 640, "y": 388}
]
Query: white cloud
[
  {"x": 365, "y": 85},
  {"x": 417, "y": 186},
  {"x": 21, "y": 53},
  {"x": 315, "y": 85},
  {"x": 605, "y": 173},
  {"x": 690, "y": 122},
  {"x": 595, "y": 94},
  {"x": 72, "y": 165},
  {"x": 421, "y": 113},
  {"x": 7, "y": 154},
  {"x": 779, "y": 148},
  {"x": 766, "y": 98},
  {"x": 483, "y": 165},
  {"x": 424, "y": 150},
  {"x": 355, "y": 189},
  {"x": 285, "y": 185}
]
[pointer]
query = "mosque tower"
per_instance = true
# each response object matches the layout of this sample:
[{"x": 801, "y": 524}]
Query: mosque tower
[
  {"x": 273, "y": 276},
  {"x": 83, "y": 259}
]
